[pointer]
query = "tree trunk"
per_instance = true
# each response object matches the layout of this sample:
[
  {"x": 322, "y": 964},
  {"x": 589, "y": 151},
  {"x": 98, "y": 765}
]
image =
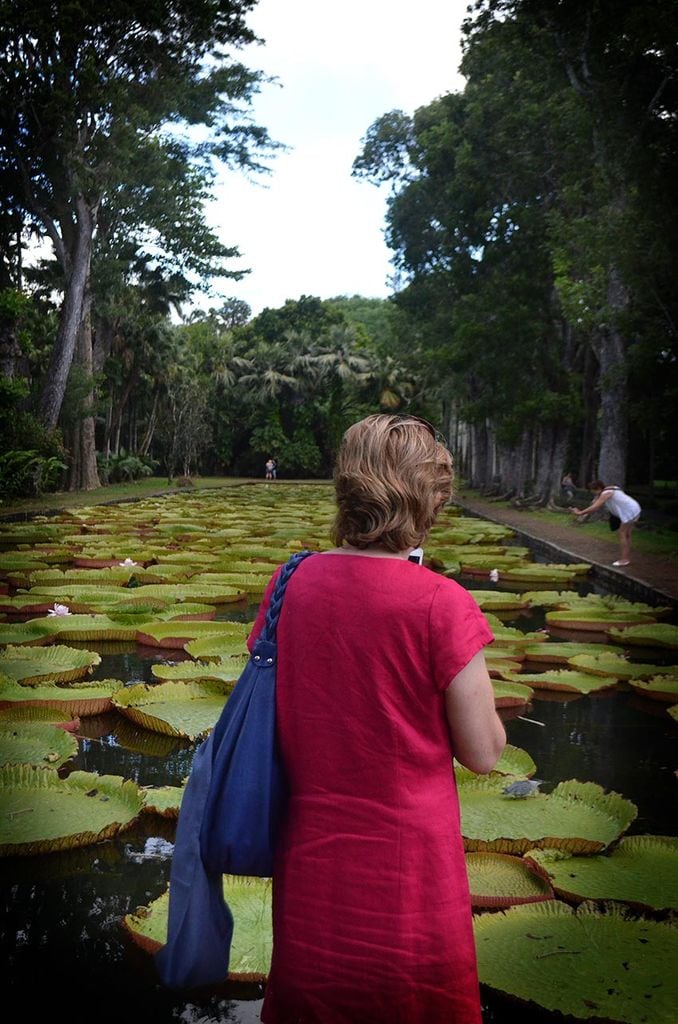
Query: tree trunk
[
  {"x": 610, "y": 348},
  {"x": 150, "y": 429},
  {"x": 587, "y": 459},
  {"x": 83, "y": 474},
  {"x": 552, "y": 448},
  {"x": 54, "y": 388}
]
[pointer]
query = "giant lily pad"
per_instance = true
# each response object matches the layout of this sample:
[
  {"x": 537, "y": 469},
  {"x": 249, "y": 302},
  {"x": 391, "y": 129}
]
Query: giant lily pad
[
  {"x": 566, "y": 680},
  {"x": 498, "y": 600},
  {"x": 540, "y": 573},
  {"x": 194, "y": 671},
  {"x": 591, "y": 617},
  {"x": 249, "y": 900},
  {"x": 509, "y": 694},
  {"x": 36, "y": 743},
  {"x": 615, "y": 665},
  {"x": 513, "y": 761},
  {"x": 174, "y": 709},
  {"x": 659, "y": 687},
  {"x": 177, "y": 633},
  {"x": 656, "y": 634},
  {"x": 216, "y": 648},
  {"x": 95, "y": 626},
  {"x": 21, "y": 634},
  {"x": 500, "y": 880},
  {"x": 641, "y": 871},
  {"x": 42, "y": 813},
  {"x": 163, "y": 800},
  {"x": 77, "y": 699},
  {"x": 58, "y": 664},
  {"x": 587, "y": 963},
  {"x": 203, "y": 593},
  {"x": 577, "y": 816},
  {"x": 556, "y": 653}
]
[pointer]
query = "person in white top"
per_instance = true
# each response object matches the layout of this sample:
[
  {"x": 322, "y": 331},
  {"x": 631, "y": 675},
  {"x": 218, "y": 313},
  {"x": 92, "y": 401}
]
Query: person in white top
[{"x": 620, "y": 504}]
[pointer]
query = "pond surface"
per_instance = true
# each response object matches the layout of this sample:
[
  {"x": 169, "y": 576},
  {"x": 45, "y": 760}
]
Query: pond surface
[{"x": 62, "y": 943}]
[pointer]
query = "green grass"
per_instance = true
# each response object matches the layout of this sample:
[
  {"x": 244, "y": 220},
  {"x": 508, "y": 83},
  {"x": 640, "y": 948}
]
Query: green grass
[{"x": 129, "y": 491}]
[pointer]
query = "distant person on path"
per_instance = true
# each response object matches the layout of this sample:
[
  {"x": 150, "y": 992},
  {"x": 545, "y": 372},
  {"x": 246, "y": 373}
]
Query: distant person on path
[
  {"x": 381, "y": 679},
  {"x": 618, "y": 503},
  {"x": 270, "y": 468},
  {"x": 275, "y": 468},
  {"x": 567, "y": 486}
]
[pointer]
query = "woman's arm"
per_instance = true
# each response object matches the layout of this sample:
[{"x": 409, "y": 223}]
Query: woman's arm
[
  {"x": 596, "y": 503},
  {"x": 477, "y": 732}
]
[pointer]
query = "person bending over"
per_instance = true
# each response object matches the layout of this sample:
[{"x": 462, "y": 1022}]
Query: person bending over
[{"x": 618, "y": 503}]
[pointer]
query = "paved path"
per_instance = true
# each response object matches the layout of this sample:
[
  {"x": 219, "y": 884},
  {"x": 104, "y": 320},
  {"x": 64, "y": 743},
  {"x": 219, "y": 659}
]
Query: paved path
[{"x": 651, "y": 578}]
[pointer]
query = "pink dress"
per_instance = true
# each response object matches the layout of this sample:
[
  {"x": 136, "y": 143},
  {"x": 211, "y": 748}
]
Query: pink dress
[{"x": 371, "y": 910}]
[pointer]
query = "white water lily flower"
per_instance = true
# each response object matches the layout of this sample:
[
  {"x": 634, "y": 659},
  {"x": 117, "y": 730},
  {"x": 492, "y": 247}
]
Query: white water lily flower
[
  {"x": 128, "y": 563},
  {"x": 59, "y": 609},
  {"x": 494, "y": 575}
]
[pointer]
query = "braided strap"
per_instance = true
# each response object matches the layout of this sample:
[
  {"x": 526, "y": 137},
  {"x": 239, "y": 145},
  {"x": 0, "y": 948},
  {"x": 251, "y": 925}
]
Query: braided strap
[{"x": 273, "y": 613}]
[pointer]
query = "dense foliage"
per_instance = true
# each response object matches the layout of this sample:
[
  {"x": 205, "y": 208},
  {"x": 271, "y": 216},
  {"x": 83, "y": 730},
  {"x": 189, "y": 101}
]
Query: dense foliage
[{"x": 532, "y": 219}]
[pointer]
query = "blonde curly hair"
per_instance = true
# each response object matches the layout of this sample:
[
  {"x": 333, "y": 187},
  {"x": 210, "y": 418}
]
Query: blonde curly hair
[{"x": 391, "y": 478}]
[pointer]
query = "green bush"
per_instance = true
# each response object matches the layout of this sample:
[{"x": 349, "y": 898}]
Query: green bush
[
  {"x": 122, "y": 468},
  {"x": 32, "y": 459}
]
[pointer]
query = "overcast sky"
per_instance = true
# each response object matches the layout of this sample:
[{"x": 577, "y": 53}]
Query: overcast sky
[{"x": 308, "y": 227}]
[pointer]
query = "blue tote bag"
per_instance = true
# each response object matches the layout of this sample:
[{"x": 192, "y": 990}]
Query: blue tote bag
[{"x": 229, "y": 815}]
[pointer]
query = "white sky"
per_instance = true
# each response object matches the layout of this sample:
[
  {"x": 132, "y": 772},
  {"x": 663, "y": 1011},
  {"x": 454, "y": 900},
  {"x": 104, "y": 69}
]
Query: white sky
[{"x": 309, "y": 228}]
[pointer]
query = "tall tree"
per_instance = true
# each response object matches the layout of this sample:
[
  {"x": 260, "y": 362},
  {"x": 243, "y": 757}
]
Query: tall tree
[{"x": 86, "y": 89}]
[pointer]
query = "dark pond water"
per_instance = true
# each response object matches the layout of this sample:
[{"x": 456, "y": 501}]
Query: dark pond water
[{"x": 62, "y": 945}]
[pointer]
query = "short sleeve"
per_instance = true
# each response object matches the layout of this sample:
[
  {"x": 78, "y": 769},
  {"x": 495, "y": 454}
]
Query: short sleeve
[
  {"x": 263, "y": 608},
  {"x": 458, "y": 630}
]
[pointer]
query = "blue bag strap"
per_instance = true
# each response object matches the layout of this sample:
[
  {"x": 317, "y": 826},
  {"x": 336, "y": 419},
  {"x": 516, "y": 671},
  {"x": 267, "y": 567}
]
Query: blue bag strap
[{"x": 275, "y": 604}]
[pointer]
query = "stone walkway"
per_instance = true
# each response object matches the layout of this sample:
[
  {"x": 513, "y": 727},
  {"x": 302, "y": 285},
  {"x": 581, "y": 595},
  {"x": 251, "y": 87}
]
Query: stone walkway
[{"x": 650, "y": 578}]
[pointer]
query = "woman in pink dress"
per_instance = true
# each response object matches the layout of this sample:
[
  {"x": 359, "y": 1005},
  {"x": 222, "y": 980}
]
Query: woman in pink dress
[{"x": 381, "y": 680}]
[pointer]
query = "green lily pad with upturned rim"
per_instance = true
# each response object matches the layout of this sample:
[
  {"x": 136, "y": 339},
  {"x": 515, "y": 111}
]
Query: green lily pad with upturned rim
[
  {"x": 25, "y": 634},
  {"x": 511, "y": 694},
  {"x": 73, "y": 701},
  {"x": 641, "y": 871},
  {"x": 203, "y": 593},
  {"x": 36, "y": 743},
  {"x": 58, "y": 664},
  {"x": 498, "y": 600},
  {"x": 174, "y": 709},
  {"x": 576, "y": 816},
  {"x": 656, "y": 634},
  {"x": 217, "y": 648},
  {"x": 556, "y": 652},
  {"x": 592, "y": 963},
  {"x": 42, "y": 813},
  {"x": 659, "y": 687},
  {"x": 513, "y": 761},
  {"x": 564, "y": 679},
  {"x": 249, "y": 900},
  {"x": 227, "y": 671},
  {"x": 178, "y": 632},
  {"x": 502, "y": 880},
  {"x": 598, "y": 620},
  {"x": 541, "y": 572},
  {"x": 162, "y": 800},
  {"x": 616, "y": 665},
  {"x": 95, "y": 626}
]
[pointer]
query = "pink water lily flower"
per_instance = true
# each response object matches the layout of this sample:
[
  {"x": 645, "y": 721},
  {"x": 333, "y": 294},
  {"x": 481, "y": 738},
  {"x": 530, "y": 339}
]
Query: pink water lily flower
[
  {"x": 128, "y": 563},
  {"x": 59, "y": 609}
]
